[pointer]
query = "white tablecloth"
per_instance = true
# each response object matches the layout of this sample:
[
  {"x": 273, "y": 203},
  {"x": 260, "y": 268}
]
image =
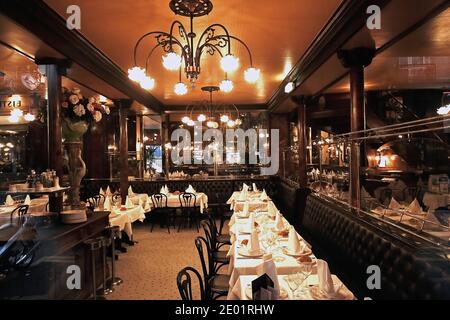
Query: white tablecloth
[
  {"x": 125, "y": 219},
  {"x": 173, "y": 201},
  {"x": 243, "y": 266},
  {"x": 238, "y": 292},
  {"x": 253, "y": 198},
  {"x": 37, "y": 206}
]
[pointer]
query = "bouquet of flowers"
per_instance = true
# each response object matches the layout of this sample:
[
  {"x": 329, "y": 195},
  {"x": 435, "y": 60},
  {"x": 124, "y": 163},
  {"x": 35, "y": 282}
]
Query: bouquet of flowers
[{"x": 76, "y": 108}]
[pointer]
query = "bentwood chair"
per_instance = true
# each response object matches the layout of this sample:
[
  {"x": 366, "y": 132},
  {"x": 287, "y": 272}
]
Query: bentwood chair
[
  {"x": 218, "y": 240},
  {"x": 184, "y": 284},
  {"x": 189, "y": 210},
  {"x": 21, "y": 212},
  {"x": 218, "y": 258},
  {"x": 96, "y": 201},
  {"x": 160, "y": 211},
  {"x": 116, "y": 199},
  {"x": 216, "y": 285}
]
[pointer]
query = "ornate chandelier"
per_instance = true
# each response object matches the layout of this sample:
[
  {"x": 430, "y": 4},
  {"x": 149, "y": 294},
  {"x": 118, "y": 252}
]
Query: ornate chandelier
[
  {"x": 185, "y": 50},
  {"x": 215, "y": 115}
]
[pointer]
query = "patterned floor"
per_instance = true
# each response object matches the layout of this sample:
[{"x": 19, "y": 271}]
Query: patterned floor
[{"x": 149, "y": 268}]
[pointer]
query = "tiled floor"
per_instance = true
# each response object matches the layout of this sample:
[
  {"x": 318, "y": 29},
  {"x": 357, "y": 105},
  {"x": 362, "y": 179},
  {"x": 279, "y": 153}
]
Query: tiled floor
[{"x": 149, "y": 268}]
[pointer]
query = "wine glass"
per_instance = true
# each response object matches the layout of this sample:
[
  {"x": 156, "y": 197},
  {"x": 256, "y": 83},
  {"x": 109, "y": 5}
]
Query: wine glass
[
  {"x": 303, "y": 275},
  {"x": 293, "y": 285}
]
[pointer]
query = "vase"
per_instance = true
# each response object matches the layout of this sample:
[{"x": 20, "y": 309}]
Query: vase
[{"x": 73, "y": 133}]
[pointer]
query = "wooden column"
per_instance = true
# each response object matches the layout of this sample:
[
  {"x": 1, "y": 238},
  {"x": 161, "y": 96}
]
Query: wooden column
[
  {"x": 55, "y": 150},
  {"x": 165, "y": 138},
  {"x": 356, "y": 59},
  {"x": 124, "y": 106},
  {"x": 302, "y": 140}
]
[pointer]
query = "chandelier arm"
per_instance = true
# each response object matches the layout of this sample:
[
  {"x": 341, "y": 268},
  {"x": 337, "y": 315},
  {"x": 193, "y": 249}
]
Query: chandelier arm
[
  {"x": 162, "y": 43},
  {"x": 183, "y": 34},
  {"x": 208, "y": 30},
  {"x": 211, "y": 50},
  {"x": 243, "y": 43},
  {"x": 149, "y": 56}
]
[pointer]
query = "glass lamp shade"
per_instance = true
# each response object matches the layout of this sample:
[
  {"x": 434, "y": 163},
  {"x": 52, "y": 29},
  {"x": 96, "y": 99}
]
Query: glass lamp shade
[
  {"x": 231, "y": 123},
  {"x": 16, "y": 112},
  {"x": 29, "y": 117},
  {"x": 191, "y": 123},
  {"x": 226, "y": 86},
  {"x": 251, "y": 75},
  {"x": 238, "y": 122},
  {"x": 185, "y": 119},
  {"x": 171, "y": 61},
  {"x": 147, "y": 83},
  {"x": 201, "y": 118},
  {"x": 442, "y": 111},
  {"x": 289, "y": 87},
  {"x": 180, "y": 89},
  {"x": 229, "y": 63},
  {"x": 13, "y": 118},
  {"x": 224, "y": 118},
  {"x": 136, "y": 74}
]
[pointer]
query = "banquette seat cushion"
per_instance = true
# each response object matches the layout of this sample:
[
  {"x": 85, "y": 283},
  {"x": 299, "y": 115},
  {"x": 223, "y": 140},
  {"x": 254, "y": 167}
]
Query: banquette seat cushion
[{"x": 351, "y": 245}]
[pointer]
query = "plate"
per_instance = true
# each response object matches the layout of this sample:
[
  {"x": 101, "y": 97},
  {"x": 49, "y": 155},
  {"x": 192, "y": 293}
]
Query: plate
[
  {"x": 244, "y": 252},
  {"x": 308, "y": 252},
  {"x": 249, "y": 293}
]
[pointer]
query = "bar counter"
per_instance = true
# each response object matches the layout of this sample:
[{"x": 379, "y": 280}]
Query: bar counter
[{"x": 52, "y": 247}]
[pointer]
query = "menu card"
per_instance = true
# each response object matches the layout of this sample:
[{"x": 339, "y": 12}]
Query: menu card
[{"x": 262, "y": 288}]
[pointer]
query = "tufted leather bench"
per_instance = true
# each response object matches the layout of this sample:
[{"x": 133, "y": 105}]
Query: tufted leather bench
[{"x": 350, "y": 244}]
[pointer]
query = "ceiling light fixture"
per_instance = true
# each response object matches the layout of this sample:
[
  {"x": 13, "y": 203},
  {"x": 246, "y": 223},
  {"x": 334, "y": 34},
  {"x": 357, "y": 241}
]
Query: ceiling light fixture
[
  {"x": 290, "y": 86},
  {"x": 187, "y": 49},
  {"x": 211, "y": 113}
]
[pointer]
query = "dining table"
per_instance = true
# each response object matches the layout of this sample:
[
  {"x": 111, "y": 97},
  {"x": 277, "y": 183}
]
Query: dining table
[
  {"x": 254, "y": 199},
  {"x": 173, "y": 201},
  {"x": 243, "y": 269},
  {"x": 36, "y": 207}
]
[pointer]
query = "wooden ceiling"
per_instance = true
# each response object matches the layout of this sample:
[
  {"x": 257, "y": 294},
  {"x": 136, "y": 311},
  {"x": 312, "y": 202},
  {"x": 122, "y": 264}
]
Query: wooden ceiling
[{"x": 277, "y": 36}]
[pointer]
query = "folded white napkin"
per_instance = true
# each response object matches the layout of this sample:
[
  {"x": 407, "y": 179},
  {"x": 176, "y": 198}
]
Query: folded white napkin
[
  {"x": 268, "y": 267},
  {"x": 279, "y": 222},
  {"x": 432, "y": 222},
  {"x": 245, "y": 187},
  {"x": 163, "y": 190},
  {"x": 190, "y": 189},
  {"x": 107, "y": 206},
  {"x": 27, "y": 201},
  {"x": 141, "y": 203},
  {"x": 394, "y": 205},
  {"x": 108, "y": 191},
  {"x": 128, "y": 203},
  {"x": 326, "y": 284},
  {"x": 9, "y": 200},
  {"x": 130, "y": 191},
  {"x": 254, "y": 187},
  {"x": 253, "y": 243},
  {"x": 101, "y": 192},
  {"x": 415, "y": 207},
  {"x": 166, "y": 189},
  {"x": 293, "y": 242},
  {"x": 264, "y": 195}
]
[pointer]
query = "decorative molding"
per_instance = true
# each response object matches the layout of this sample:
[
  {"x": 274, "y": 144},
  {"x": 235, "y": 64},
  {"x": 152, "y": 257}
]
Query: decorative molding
[{"x": 38, "y": 18}]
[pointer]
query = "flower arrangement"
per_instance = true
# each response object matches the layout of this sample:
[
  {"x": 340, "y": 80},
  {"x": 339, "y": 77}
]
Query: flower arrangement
[{"x": 77, "y": 108}]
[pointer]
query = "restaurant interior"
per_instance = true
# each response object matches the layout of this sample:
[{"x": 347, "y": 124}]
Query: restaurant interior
[{"x": 225, "y": 150}]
